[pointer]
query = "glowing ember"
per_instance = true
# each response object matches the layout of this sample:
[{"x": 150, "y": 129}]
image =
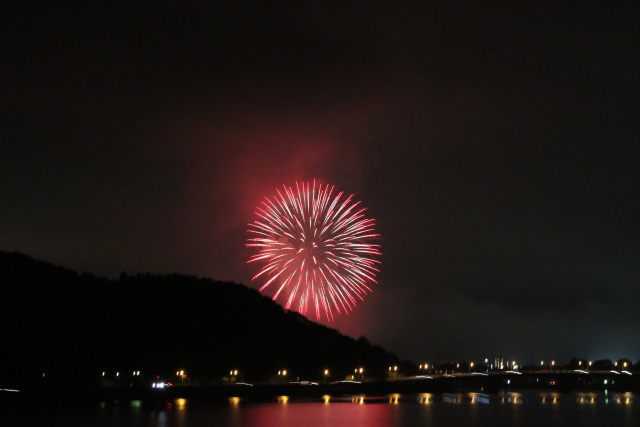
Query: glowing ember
[{"x": 315, "y": 247}]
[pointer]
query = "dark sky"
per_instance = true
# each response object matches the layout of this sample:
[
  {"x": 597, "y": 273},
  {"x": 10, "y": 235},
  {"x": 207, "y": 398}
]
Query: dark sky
[{"x": 494, "y": 145}]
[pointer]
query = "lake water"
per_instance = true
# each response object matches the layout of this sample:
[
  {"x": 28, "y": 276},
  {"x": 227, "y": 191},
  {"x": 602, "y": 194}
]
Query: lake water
[{"x": 529, "y": 408}]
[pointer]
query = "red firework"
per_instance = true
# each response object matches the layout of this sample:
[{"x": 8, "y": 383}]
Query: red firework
[{"x": 315, "y": 248}]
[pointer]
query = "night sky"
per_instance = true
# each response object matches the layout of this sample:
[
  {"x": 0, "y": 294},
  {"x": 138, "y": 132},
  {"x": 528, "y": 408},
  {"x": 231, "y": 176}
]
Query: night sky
[{"x": 494, "y": 145}]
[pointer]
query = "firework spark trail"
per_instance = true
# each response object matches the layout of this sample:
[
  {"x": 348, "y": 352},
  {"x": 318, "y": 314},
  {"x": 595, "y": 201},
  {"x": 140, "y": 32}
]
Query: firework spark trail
[{"x": 315, "y": 247}]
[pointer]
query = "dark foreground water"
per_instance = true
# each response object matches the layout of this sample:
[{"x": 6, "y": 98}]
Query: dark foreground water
[{"x": 529, "y": 408}]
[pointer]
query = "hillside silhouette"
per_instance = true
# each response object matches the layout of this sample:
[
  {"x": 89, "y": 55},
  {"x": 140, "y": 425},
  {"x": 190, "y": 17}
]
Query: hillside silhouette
[{"x": 63, "y": 327}]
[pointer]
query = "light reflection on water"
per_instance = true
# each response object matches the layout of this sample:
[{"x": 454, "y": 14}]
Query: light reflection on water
[
  {"x": 358, "y": 399},
  {"x": 283, "y": 399},
  {"x": 425, "y": 398},
  {"x": 181, "y": 404},
  {"x": 426, "y": 409},
  {"x": 474, "y": 409}
]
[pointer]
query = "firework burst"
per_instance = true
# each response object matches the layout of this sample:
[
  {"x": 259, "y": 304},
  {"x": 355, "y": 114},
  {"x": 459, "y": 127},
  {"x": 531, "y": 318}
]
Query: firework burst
[{"x": 314, "y": 247}]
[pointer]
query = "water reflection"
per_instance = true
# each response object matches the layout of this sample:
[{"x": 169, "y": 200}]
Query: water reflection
[
  {"x": 512, "y": 398},
  {"x": 451, "y": 398},
  {"x": 588, "y": 408},
  {"x": 623, "y": 398},
  {"x": 586, "y": 398},
  {"x": 181, "y": 404},
  {"x": 283, "y": 399},
  {"x": 549, "y": 398},
  {"x": 480, "y": 398},
  {"x": 181, "y": 413},
  {"x": 425, "y": 398},
  {"x": 358, "y": 399},
  {"x": 161, "y": 421}
]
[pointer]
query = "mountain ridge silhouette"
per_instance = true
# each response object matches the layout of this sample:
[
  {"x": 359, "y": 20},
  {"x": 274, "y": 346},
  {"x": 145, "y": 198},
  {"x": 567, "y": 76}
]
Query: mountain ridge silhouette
[{"x": 69, "y": 327}]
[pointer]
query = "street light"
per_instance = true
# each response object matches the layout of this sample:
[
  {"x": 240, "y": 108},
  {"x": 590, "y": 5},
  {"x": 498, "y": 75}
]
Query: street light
[
  {"x": 182, "y": 376},
  {"x": 393, "y": 371},
  {"x": 326, "y": 373},
  {"x": 470, "y": 366}
]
